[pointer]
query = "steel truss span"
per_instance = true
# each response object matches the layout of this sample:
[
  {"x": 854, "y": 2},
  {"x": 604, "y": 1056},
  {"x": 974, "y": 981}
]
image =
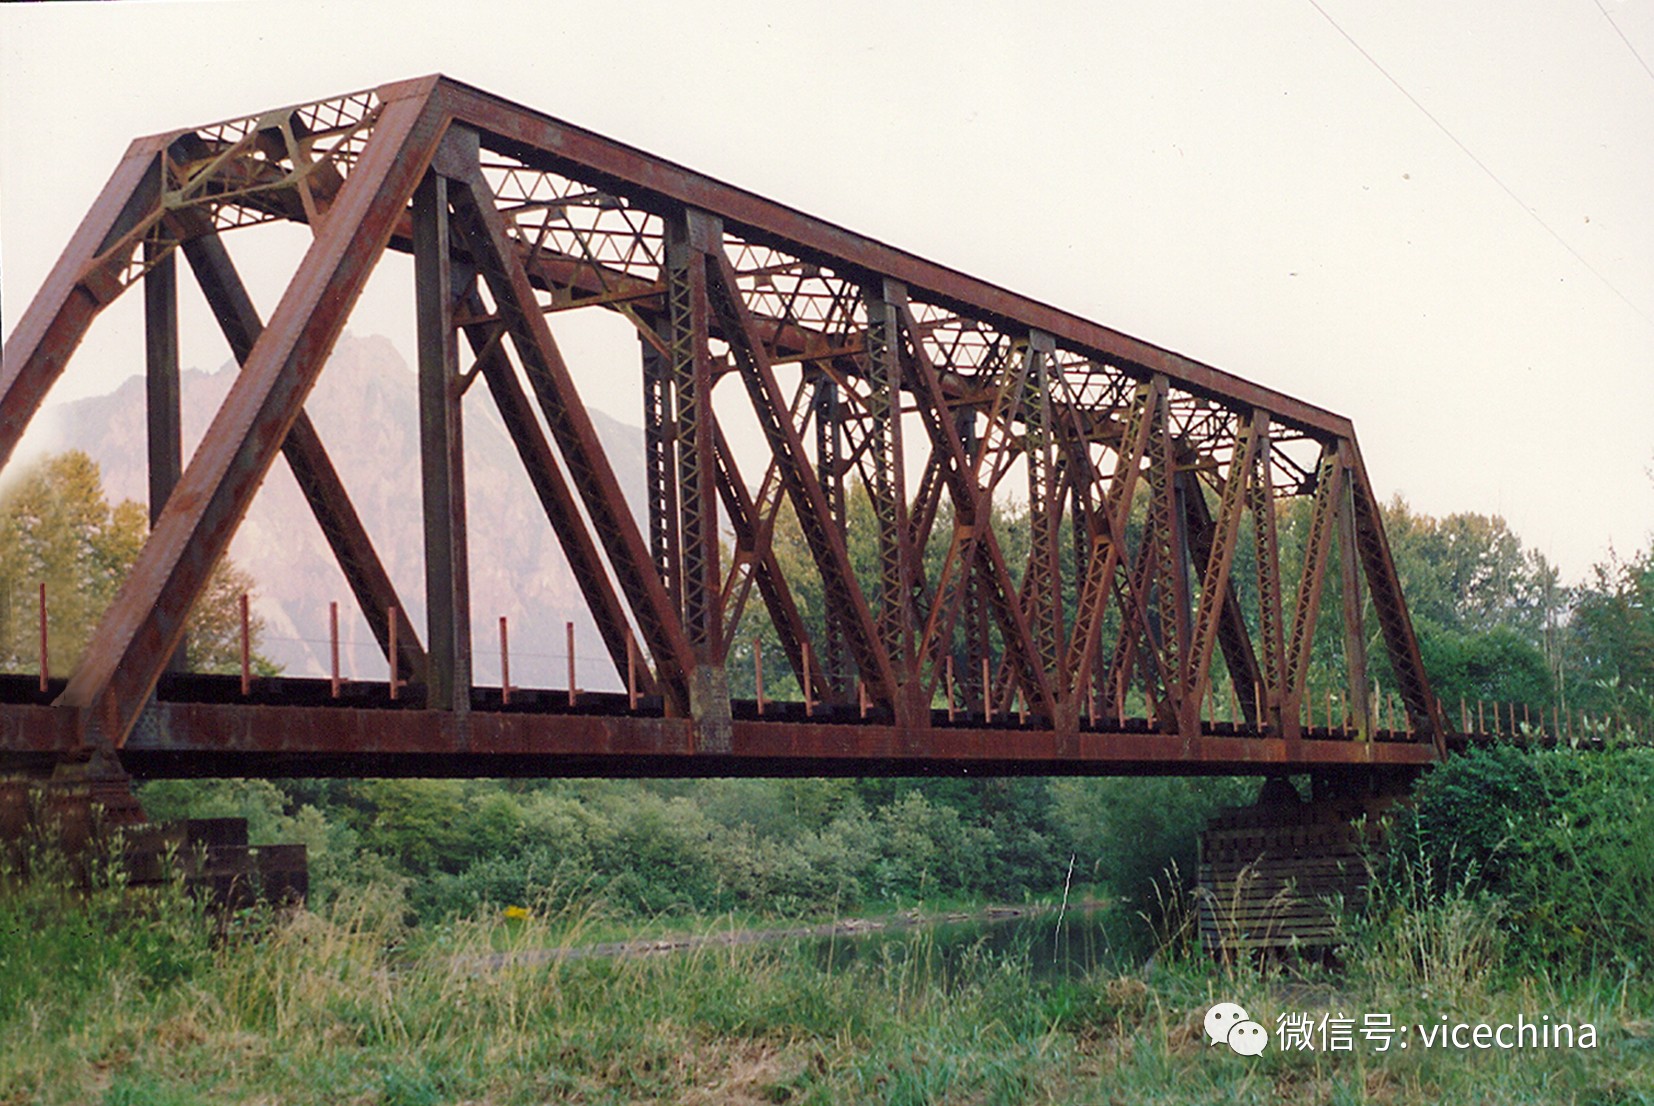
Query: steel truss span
[{"x": 1108, "y": 634}]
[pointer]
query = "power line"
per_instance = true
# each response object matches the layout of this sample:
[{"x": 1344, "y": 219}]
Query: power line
[
  {"x": 1482, "y": 165},
  {"x": 1623, "y": 39}
]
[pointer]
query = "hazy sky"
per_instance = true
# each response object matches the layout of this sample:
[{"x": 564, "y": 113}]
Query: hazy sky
[{"x": 1237, "y": 182}]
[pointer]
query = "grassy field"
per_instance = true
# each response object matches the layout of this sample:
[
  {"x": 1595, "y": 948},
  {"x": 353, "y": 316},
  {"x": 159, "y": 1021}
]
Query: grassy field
[{"x": 118, "y": 1003}]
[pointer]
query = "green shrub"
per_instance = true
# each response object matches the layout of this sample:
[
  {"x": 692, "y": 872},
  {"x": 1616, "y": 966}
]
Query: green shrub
[{"x": 1564, "y": 838}]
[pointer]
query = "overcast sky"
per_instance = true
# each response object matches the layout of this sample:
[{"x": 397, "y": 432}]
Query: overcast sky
[{"x": 1241, "y": 183}]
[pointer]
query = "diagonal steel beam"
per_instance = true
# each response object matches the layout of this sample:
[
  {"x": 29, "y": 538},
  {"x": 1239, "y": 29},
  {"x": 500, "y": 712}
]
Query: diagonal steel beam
[
  {"x": 975, "y": 542},
  {"x": 1302, "y": 640},
  {"x": 308, "y": 459},
  {"x": 545, "y": 474},
  {"x": 483, "y": 232},
  {"x": 1233, "y": 637},
  {"x": 84, "y": 281},
  {"x": 845, "y": 600},
  {"x": 146, "y": 621},
  {"x": 1214, "y": 542},
  {"x": 1272, "y": 673},
  {"x": 752, "y": 534},
  {"x": 1109, "y": 541},
  {"x": 1395, "y": 623}
]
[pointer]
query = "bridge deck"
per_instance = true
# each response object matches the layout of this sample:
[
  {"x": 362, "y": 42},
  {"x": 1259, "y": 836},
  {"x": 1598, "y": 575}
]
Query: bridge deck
[{"x": 201, "y": 726}]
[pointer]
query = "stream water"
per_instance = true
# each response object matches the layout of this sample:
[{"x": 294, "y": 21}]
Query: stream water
[{"x": 1083, "y": 941}]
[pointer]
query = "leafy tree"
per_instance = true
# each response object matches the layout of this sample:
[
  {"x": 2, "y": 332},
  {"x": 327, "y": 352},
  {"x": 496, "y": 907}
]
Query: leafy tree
[
  {"x": 1611, "y": 641},
  {"x": 58, "y": 528}
]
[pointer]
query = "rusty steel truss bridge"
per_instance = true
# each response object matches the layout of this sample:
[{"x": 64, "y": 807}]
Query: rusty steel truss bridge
[{"x": 1116, "y": 643}]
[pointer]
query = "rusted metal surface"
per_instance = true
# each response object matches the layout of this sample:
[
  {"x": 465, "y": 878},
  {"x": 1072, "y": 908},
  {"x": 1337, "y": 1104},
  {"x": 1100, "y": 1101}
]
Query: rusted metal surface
[
  {"x": 441, "y": 448},
  {"x": 540, "y": 736},
  {"x": 1112, "y": 639}
]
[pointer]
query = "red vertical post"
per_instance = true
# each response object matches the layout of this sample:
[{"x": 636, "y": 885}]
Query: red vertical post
[
  {"x": 391, "y": 654},
  {"x": 333, "y": 648},
  {"x": 631, "y": 672},
  {"x": 809, "y": 699},
  {"x": 758, "y": 671},
  {"x": 45, "y": 665},
  {"x": 861, "y": 696},
  {"x": 246, "y": 649},
  {"x": 505, "y": 662},
  {"x": 569, "y": 628},
  {"x": 950, "y": 687}
]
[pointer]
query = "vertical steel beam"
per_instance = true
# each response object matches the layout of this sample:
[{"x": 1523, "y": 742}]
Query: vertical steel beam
[
  {"x": 1043, "y": 580},
  {"x": 1167, "y": 534},
  {"x": 660, "y": 466},
  {"x": 162, "y": 401},
  {"x": 441, "y": 447},
  {"x": 161, "y": 394},
  {"x": 830, "y": 469},
  {"x": 888, "y": 490},
  {"x": 691, "y": 238}
]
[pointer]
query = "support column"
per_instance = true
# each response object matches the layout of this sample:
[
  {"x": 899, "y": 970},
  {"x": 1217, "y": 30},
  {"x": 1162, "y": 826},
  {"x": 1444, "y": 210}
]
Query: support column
[
  {"x": 660, "y": 467},
  {"x": 161, "y": 393},
  {"x": 1043, "y": 585},
  {"x": 690, "y": 238},
  {"x": 1168, "y": 626},
  {"x": 889, "y": 487},
  {"x": 834, "y": 659},
  {"x": 442, "y": 454}
]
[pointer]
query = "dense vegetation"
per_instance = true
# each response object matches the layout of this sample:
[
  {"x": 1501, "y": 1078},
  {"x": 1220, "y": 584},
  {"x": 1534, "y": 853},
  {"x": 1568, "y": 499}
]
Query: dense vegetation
[{"x": 123, "y": 1001}]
